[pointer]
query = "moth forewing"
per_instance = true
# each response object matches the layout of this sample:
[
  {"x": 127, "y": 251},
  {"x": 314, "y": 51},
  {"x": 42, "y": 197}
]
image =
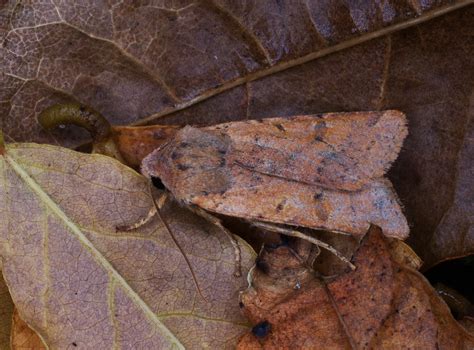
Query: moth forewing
[{"x": 341, "y": 151}]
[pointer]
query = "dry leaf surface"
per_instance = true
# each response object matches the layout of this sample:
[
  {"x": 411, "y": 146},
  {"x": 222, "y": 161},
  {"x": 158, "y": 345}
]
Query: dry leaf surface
[
  {"x": 75, "y": 280},
  {"x": 132, "y": 61},
  {"x": 381, "y": 305},
  {"x": 23, "y": 337}
]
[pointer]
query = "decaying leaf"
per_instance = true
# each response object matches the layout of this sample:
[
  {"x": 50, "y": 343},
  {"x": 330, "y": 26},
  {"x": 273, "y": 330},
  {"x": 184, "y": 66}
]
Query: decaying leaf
[
  {"x": 135, "y": 143},
  {"x": 23, "y": 337},
  {"x": 381, "y": 305},
  {"x": 321, "y": 171},
  {"x": 78, "y": 282},
  {"x": 133, "y": 62},
  {"x": 6, "y": 313}
]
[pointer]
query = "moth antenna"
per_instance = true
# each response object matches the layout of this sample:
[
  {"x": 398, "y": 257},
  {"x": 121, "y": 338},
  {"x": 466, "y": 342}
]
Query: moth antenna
[
  {"x": 161, "y": 202},
  {"x": 301, "y": 235}
]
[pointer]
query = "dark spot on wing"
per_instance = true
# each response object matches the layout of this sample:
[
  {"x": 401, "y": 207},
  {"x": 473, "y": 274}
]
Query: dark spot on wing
[
  {"x": 318, "y": 196},
  {"x": 318, "y": 138},
  {"x": 183, "y": 144},
  {"x": 320, "y": 125},
  {"x": 281, "y": 205},
  {"x": 280, "y": 127},
  {"x": 183, "y": 167}
]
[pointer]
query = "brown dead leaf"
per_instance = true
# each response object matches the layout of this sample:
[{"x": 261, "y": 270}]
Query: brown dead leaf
[
  {"x": 6, "y": 312},
  {"x": 75, "y": 280},
  {"x": 132, "y": 61},
  {"x": 23, "y": 337},
  {"x": 381, "y": 305},
  {"x": 135, "y": 143}
]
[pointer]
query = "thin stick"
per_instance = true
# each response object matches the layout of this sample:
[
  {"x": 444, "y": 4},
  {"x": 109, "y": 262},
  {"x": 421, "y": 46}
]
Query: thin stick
[{"x": 301, "y": 235}]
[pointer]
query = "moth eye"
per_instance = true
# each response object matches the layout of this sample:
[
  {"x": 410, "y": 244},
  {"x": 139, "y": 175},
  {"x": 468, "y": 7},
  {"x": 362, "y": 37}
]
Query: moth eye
[
  {"x": 261, "y": 329},
  {"x": 157, "y": 183}
]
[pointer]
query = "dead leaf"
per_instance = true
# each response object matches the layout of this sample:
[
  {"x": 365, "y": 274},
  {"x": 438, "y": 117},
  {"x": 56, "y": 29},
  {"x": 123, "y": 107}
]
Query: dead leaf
[
  {"x": 23, "y": 337},
  {"x": 6, "y": 312},
  {"x": 75, "y": 280},
  {"x": 132, "y": 62},
  {"x": 135, "y": 143},
  {"x": 381, "y": 305},
  {"x": 323, "y": 172}
]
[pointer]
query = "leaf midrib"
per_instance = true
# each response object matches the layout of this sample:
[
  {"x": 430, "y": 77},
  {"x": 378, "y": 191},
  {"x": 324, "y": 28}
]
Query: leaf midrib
[{"x": 46, "y": 199}]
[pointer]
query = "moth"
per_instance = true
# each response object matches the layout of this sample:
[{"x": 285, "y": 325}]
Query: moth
[{"x": 323, "y": 171}]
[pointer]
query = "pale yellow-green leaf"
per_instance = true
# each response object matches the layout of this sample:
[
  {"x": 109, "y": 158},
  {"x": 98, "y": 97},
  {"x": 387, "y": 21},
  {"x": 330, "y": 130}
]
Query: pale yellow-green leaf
[{"x": 79, "y": 283}]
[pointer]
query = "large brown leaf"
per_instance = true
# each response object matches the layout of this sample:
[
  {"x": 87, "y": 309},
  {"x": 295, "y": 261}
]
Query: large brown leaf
[
  {"x": 78, "y": 282},
  {"x": 131, "y": 60},
  {"x": 381, "y": 305}
]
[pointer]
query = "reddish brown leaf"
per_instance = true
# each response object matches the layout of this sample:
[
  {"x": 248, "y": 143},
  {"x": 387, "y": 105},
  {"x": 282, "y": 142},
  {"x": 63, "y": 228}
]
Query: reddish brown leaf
[
  {"x": 23, "y": 337},
  {"x": 381, "y": 305},
  {"x": 135, "y": 143}
]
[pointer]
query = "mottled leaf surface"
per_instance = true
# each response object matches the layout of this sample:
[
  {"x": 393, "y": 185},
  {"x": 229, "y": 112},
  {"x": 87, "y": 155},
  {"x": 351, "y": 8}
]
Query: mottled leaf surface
[
  {"x": 381, "y": 305},
  {"x": 75, "y": 279}
]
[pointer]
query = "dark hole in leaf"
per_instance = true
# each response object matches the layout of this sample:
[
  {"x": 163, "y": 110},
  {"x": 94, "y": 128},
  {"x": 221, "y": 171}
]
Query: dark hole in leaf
[
  {"x": 453, "y": 280},
  {"x": 261, "y": 329},
  {"x": 157, "y": 183}
]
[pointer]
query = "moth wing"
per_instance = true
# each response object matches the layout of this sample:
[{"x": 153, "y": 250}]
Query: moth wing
[
  {"x": 271, "y": 199},
  {"x": 335, "y": 150}
]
